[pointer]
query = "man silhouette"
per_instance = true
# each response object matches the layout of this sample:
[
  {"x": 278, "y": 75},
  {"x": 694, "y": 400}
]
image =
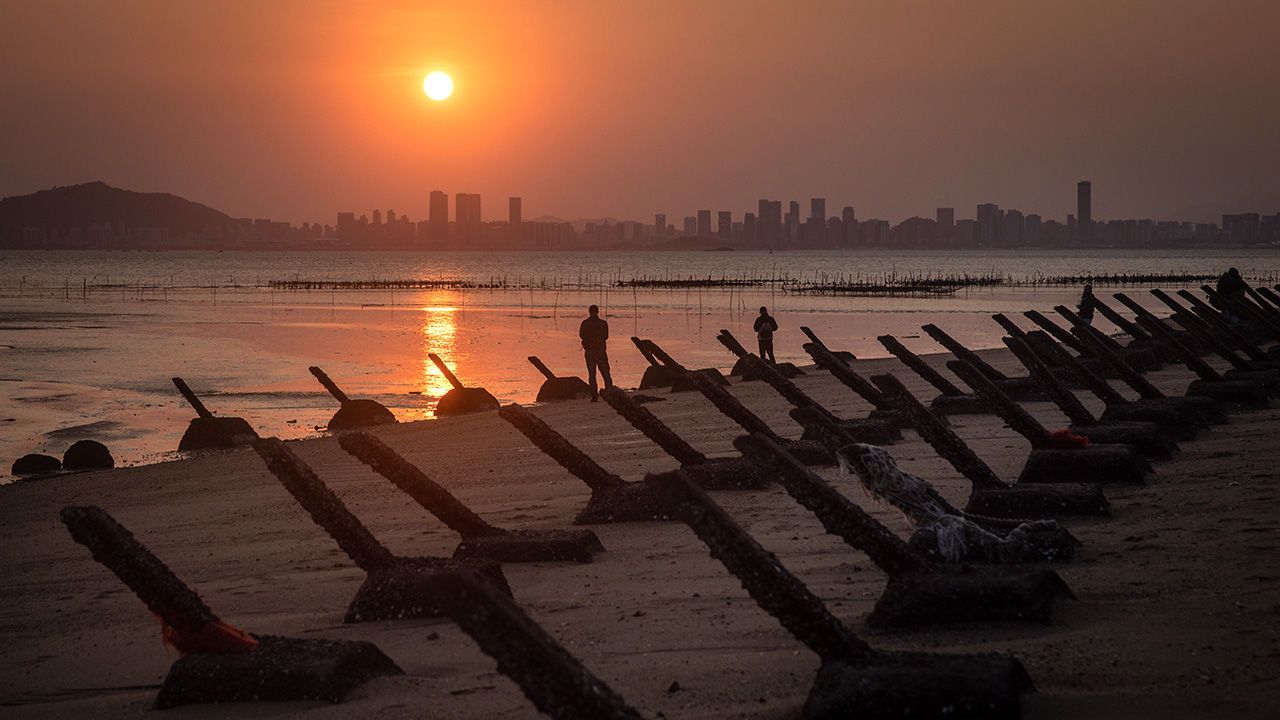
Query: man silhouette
[
  {"x": 1087, "y": 305},
  {"x": 1231, "y": 286},
  {"x": 594, "y": 333},
  {"x": 765, "y": 327}
]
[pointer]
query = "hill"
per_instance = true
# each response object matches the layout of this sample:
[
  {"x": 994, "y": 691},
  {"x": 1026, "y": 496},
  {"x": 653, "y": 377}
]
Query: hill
[{"x": 98, "y": 204}]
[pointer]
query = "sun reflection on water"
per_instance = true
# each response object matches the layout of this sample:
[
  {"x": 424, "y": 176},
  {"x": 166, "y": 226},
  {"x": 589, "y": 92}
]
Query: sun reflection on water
[{"x": 439, "y": 331}]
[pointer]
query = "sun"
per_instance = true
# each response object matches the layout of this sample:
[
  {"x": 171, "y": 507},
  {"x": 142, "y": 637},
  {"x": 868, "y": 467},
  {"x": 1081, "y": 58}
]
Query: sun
[{"x": 438, "y": 85}]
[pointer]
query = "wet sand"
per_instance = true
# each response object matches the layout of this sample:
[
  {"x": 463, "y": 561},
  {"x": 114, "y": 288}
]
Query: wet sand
[
  {"x": 100, "y": 369},
  {"x": 1179, "y": 594}
]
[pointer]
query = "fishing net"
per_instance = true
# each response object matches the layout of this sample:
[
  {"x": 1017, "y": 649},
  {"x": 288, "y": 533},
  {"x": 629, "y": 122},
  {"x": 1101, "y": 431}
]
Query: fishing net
[{"x": 955, "y": 536}]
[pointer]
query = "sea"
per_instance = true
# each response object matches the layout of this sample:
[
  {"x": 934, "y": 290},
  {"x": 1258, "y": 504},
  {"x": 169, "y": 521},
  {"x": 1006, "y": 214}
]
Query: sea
[{"x": 89, "y": 341}]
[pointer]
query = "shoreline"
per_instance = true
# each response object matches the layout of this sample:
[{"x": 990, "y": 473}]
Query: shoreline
[
  {"x": 250, "y": 359},
  {"x": 1172, "y": 617}
]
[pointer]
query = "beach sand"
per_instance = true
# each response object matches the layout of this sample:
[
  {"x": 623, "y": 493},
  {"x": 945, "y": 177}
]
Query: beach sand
[{"x": 1179, "y": 591}]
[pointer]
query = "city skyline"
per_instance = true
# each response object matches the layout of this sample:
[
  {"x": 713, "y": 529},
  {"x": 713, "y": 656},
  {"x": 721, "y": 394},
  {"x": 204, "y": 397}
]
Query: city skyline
[
  {"x": 97, "y": 215},
  {"x": 991, "y": 226}
]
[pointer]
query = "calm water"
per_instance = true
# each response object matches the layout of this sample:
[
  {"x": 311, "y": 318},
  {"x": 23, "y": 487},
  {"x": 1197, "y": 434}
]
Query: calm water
[
  {"x": 97, "y": 363},
  {"x": 53, "y": 271}
]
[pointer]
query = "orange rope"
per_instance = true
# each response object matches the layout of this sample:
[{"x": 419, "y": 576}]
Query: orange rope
[{"x": 217, "y": 638}]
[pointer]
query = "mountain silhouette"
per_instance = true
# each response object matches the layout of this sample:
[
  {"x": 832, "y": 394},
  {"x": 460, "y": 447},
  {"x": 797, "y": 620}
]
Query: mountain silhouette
[{"x": 99, "y": 204}]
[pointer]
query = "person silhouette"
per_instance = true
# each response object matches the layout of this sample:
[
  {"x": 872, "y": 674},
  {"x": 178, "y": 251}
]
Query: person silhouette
[
  {"x": 765, "y": 327},
  {"x": 1231, "y": 288},
  {"x": 1087, "y": 305},
  {"x": 594, "y": 333}
]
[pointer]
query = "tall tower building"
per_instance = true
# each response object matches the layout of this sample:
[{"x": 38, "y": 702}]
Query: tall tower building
[
  {"x": 988, "y": 219},
  {"x": 818, "y": 209},
  {"x": 438, "y": 216},
  {"x": 467, "y": 209},
  {"x": 770, "y": 219},
  {"x": 1084, "y": 209},
  {"x": 946, "y": 220},
  {"x": 659, "y": 226},
  {"x": 515, "y": 229},
  {"x": 704, "y": 223},
  {"x": 724, "y": 226},
  {"x": 1031, "y": 230},
  {"x": 793, "y": 227},
  {"x": 1011, "y": 228}
]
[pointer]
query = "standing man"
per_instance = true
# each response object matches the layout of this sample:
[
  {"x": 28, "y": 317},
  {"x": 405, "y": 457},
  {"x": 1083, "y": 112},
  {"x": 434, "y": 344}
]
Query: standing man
[
  {"x": 1087, "y": 304},
  {"x": 765, "y": 327},
  {"x": 594, "y": 333},
  {"x": 1231, "y": 286}
]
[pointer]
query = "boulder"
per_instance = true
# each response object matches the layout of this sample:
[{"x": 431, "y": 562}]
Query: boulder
[
  {"x": 36, "y": 464},
  {"x": 87, "y": 455}
]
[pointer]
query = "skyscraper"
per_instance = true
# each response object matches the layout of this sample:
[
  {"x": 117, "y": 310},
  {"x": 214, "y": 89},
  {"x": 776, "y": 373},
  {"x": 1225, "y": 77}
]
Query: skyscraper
[
  {"x": 515, "y": 225},
  {"x": 1084, "y": 209},
  {"x": 724, "y": 226},
  {"x": 659, "y": 226},
  {"x": 438, "y": 216},
  {"x": 770, "y": 233},
  {"x": 467, "y": 209},
  {"x": 818, "y": 209},
  {"x": 1031, "y": 230},
  {"x": 690, "y": 226},
  {"x": 704, "y": 223},
  {"x": 1011, "y": 229},
  {"x": 815, "y": 227},
  {"x": 988, "y": 219},
  {"x": 347, "y": 227},
  {"x": 946, "y": 220}
]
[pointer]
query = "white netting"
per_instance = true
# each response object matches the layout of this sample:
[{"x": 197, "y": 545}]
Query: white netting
[
  {"x": 953, "y": 534},
  {"x": 888, "y": 483}
]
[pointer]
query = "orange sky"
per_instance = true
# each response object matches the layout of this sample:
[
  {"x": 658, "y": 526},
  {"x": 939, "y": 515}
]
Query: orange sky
[{"x": 296, "y": 110}]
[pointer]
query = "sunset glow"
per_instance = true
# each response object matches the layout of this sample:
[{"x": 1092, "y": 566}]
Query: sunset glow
[
  {"x": 454, "y": 315},
  {"x": 439, "y": 330},
  {"x": 438, "y": 85}
]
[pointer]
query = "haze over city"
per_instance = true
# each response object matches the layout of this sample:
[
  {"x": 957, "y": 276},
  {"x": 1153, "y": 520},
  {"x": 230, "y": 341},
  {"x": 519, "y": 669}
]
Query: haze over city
[{"x": 298, "y": 110}]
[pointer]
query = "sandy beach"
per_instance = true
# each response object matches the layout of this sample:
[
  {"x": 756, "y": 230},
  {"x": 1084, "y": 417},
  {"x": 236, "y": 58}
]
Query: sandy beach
[
  {"x": 322, "y": 324},
  {"x": 1177, "y": 616}
]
